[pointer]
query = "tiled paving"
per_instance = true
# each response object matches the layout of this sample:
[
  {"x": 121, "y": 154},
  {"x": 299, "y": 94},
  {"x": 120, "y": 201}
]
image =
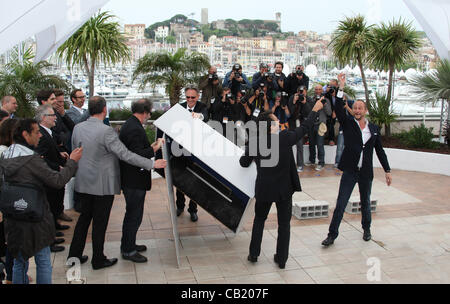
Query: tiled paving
[{"x": 411, "y": 240}]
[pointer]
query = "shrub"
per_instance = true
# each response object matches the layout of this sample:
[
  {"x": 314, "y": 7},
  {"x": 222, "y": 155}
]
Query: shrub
[
  {"x": 380, "y": 112},
  {"x": 119, "y": 114},
  {"x": 419, "y": 137},
  {"x": 151, "y": 133}
]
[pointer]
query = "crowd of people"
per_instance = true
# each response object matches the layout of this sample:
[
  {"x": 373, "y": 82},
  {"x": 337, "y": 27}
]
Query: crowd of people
[{"x": 61, "y": 144}]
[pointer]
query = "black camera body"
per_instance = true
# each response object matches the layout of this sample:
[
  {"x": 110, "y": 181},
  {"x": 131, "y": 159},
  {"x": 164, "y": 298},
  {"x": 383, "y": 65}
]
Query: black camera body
[
  {"x": 332, "y": 90},
  {"x": 284, "y": 99},
  {"x": 213, "y": 77},
  {"x": 299, "y": 72}
]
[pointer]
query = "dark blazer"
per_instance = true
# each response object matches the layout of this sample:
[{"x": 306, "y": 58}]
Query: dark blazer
[
  {"x": 277, "y": 183},
  {"x": 49, "y": 150},
  {"x": 133, "y": 136},
  {"x": 63, "y": 132},
  {"x": 354, "y": 144},
  {"x": 200, "y": 107}
]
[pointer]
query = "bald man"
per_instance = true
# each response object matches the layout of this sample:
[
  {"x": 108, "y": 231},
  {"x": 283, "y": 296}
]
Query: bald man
[{"x": 361, "y": 138}]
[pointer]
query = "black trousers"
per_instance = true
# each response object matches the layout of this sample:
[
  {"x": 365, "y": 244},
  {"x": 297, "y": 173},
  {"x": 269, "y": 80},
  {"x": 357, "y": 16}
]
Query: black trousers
[
  {"x": 181, "y": 202},
  {"x": 56, "y": 201},
  {"x": 134, "y": 199},
  {"x": 284, "y": 213},
  {"x": 96, "y": 209}
]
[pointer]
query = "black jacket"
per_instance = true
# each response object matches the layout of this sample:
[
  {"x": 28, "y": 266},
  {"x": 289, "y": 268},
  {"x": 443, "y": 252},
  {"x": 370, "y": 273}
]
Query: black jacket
[
  {"x": 277, "y": 183},
  {"x": 292, "y": 83},
  {"x": 133, "y": 136},
  {"x": 354, "y": 144},
  {"x": 49, "y": 150},
  {"x": 199, "y": 108},
  {"x": 63, "y": 132}
]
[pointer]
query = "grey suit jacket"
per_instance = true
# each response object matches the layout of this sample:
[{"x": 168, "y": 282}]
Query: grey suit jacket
[
  {"x": 76, "y": 116},
  {"x": 98, "y": 169}
]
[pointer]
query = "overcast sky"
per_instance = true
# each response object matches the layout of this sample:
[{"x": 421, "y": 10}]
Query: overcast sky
[{"x": 321, "y": 16}]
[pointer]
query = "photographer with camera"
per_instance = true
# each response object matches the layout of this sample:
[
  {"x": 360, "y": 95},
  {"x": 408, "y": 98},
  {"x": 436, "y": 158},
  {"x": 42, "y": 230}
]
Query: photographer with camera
[
  {"x": 263, "y": 76},
  {"x": 330, "y": 90},
  {"x": 299, "y": 105},
  {"x": 257, "y": 103},
  {"x": 279, "y": 76},
  {"x": 211, "y": 87},
  {"x": 236, "y": 80},
  {"x": 295, "y": 80},
  {"x": 317, "y": 133},
  {"x": 280, "y": 109}
]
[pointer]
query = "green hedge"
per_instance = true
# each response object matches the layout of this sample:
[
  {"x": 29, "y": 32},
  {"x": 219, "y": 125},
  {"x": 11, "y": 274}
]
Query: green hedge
[
  {"x": 418, "y": 137},
  {"x": 125, "y": 113}
]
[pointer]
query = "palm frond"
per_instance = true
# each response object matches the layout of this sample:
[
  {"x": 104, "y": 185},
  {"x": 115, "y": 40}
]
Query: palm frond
[{"x": 433, "y": 85}]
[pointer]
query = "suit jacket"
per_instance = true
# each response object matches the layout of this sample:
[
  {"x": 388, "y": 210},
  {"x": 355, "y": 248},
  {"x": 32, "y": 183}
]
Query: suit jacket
[
  {"x": 133, "y": 136},
  {"x": 48, "y": 149},
  {"x": 98, "y": 169},
  {"x": 354, "y": 144},
  {"x": 62, "y": 132},
  {"x": 278, "y": 183},
  {"x": 76, "y": 116},
  {"x": 199, "y": 108}
]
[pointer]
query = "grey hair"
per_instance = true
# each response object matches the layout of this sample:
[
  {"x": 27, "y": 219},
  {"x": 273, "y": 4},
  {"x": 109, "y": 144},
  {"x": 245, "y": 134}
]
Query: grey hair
[{"x": 41, "y": 111}]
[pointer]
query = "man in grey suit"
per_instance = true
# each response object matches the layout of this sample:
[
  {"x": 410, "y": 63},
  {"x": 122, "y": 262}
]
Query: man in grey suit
[
  {"x": 76, "y": 111},
  {"x": 98, "y": 180}
]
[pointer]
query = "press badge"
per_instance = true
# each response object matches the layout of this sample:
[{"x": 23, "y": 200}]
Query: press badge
[{"x": 256, "y": 112}]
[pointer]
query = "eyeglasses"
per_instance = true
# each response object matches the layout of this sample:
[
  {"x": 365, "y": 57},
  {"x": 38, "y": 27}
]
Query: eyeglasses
[
  {"x": 84, "y": 96},
  {"x": 49, "y": 114},
  {"x": 191, "y": 97}
]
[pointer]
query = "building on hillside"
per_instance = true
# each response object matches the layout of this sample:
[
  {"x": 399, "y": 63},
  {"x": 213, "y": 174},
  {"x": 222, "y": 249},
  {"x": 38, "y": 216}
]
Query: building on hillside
[{"x": 135, "y": 31}]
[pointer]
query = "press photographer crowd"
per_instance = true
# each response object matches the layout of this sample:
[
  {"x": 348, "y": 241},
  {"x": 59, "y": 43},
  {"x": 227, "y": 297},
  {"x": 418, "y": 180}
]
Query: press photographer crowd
[{"x": 40, "y": 156}]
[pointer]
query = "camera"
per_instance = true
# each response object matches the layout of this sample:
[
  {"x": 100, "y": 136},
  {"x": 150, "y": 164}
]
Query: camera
[
  {"x": 284, "y": 99},
  {"x": 299, "y": 72},
  {"x": 229, "y": 96},
  {"x": 332, "y": 90},
  {"x": 261, "y": 89},
  {"x": 243, "y": 96},
  {"x": 213, "y": 77}
]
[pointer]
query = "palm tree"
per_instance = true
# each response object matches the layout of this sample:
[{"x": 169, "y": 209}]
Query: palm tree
[
  {"x": 435, "y": 85},
  {"x": 351, "y": 42},
  {"x": 172, "y": 70},
  {"x": 23, "y": 79},
  {"x": 98, "y": 40},
  {"x": 395, "y": 43}
]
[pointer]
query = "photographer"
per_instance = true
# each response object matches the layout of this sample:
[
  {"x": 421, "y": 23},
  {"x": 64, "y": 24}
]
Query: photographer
[
  {"x": 263, "y": 76},
  {"x": 236, "y": 80},
  {"x": 317, "y": 133},
  {"x": 330, "y": 90},
  {"x": 299, "y": 105},
  {"x": 211, "y": 87},
  {"x": 280, "y": 109},
  {"x": 257, "y": 103},
  {"x": 280, "y": 78},
  {"x": 295, "y": 80}
]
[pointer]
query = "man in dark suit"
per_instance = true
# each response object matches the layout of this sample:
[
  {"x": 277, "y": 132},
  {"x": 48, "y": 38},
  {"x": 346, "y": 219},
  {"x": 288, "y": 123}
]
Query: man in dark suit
[
  {"x": 275, "y": 182},
  {"x": 361, "y": 138},
  {"x": 200, "y": 111},
  {"x": 47, "y": 148},
  {"x": 135, "y": 182}
]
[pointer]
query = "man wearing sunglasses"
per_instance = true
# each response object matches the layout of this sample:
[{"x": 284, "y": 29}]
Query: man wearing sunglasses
[{"x": 200, "y": 111}]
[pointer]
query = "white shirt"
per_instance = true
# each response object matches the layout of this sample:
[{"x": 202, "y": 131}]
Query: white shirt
[
  {"x": 365, "y": 138},
  {"x": 48, "y": 130},
  {"x": 81, "y": 110}
]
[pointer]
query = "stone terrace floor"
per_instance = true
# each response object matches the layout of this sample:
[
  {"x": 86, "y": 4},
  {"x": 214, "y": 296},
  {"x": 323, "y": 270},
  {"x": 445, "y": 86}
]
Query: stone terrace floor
[{"x": 410, "y": 229}]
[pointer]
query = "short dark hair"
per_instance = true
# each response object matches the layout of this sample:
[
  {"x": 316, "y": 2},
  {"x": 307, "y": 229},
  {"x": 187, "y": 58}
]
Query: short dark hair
[
  {"x": 140, "y": 106},
  {"x": 58, "y": 92},
  {"x": 279, "y": 62},
  {"x": 96, "y": 105},
  {"x": 73, "y": 94},
  {"x": 43, "y": 95},
  {"x": 7, "y": 129},
  {"x": 26, "y": 125},
  {"x": 3, "y": 114}
]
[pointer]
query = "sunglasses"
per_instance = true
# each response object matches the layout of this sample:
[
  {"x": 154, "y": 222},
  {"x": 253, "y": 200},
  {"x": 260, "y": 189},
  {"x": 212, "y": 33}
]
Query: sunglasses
[
  {"x": 49, "y": 114},
  {"x": 191, "y": 97}
]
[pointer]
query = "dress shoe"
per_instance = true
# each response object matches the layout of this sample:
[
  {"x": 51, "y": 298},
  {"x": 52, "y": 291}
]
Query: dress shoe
[
  {"x": 58, "y": 241},
  {"x": 252, "y": 258},
  {"x": 61, "y": 227},
  {"x": 141, "y": 248},
  {"x": 328, "y": 241},
  {"x": 194, "y": 216},
  {"x": 56, "y": 248},
  {"x": 281, "y": 265},
  {"x": 65, "y": 217},
  {"x": 179, "y": 211},
  {"x": 137, "y": 258},
  {"x": 59, "y": 234},
  {"x": 367, "y": 236},
  {"x": 105, "y": 263},
  {"x": 82, "y": 260}
]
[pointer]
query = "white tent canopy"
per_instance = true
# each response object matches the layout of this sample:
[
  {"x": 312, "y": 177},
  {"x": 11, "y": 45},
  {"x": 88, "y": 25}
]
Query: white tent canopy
[
  {"x": 52, "y": 21},
  {"x": 434, "y": 17}
]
